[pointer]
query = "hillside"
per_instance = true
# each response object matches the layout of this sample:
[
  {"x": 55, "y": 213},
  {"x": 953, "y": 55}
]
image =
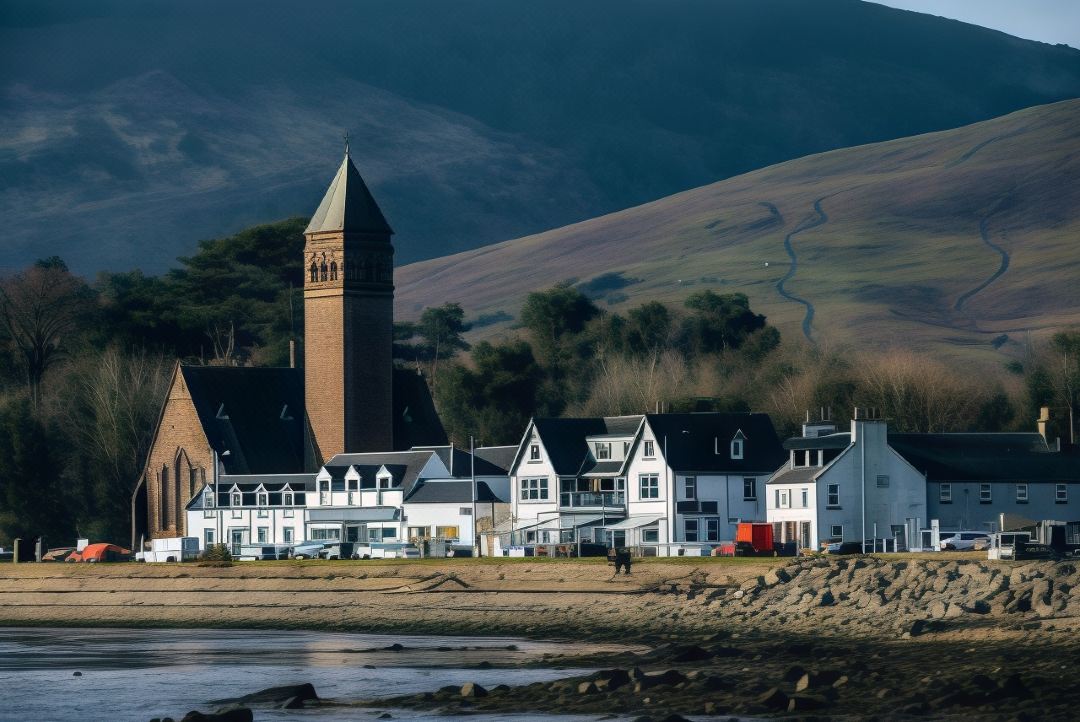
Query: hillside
[
  {"x": 130, "y": 130},
  {"x": 961, "y": 242}
]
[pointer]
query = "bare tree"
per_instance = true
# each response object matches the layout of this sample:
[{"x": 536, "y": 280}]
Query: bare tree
[{"x": 39, "y": 308}]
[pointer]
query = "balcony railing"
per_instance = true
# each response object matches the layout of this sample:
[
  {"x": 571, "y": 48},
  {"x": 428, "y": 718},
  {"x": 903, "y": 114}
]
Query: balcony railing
[{"x": 601, "y": 499}]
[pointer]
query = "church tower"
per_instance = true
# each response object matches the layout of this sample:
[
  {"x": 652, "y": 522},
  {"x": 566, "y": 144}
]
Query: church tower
[{"x": 349, "y": 320}]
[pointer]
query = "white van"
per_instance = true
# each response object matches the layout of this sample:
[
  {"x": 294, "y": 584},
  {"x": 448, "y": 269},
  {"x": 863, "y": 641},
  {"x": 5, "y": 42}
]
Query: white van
[
  {"x": 173, "y": 549},
  {"x": 962, "y": 541}
]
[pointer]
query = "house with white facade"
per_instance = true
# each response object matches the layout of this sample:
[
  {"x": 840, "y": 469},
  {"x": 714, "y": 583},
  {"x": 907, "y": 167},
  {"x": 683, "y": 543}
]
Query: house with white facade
[
  {"x": 661, "y": 483},
  {"x": 867, "y": 483},
  {"x": 381, "y": 501},
  {"x": 845, "y": 487}
]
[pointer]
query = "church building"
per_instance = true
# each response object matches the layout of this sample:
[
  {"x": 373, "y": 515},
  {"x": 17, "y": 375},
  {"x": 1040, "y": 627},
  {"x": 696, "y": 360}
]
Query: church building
[{"x": 348, "y": 398}]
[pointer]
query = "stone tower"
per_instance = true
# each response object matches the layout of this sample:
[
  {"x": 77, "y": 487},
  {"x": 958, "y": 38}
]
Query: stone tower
[{"x": 348, "y": 320}]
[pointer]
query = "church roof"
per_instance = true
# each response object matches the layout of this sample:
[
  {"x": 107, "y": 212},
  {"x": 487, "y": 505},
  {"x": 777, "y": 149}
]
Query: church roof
[{"x": 348, "y": 205}]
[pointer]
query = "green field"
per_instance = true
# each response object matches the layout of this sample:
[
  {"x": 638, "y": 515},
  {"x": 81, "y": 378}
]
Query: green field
[{"x": 961, "y": 243}]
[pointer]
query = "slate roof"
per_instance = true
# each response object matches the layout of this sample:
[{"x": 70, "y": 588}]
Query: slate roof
[
  {"x": 565, "y": 439},
  {"x": 256, "y": 414},
  {"x": 830, "y": 441},
  {"x": 271, "y": 482},
  {"x": 985, "y": 457},
  {"x": 798, "y": 475},
  {"x": 457, "y": 460},
  {"x": 404, "y": 467},
  {"x": 499, "y": 459},
  {"x": 348, "y": 205},
  {"x": 601, "y": 468},
  {"x": 692, "y": 438},
  {"x": 416, "y": 423},
  {"x": 447, "y": 492}
]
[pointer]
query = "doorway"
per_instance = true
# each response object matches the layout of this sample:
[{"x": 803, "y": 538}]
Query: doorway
[{"x": 236, "y": 540}]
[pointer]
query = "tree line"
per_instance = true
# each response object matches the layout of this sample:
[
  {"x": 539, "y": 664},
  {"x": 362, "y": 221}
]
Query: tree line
[{"x": 84, "y": 366}]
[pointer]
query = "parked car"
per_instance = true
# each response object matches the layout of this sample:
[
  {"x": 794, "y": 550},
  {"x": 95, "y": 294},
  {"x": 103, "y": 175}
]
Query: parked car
[
  {"x": 962, "y": 541},
  {"x": 308, "y": 549},
  {"x": 337, "y": 550}
]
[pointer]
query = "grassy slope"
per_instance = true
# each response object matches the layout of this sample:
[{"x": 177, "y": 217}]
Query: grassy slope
[{"x": 901, "y": 246}]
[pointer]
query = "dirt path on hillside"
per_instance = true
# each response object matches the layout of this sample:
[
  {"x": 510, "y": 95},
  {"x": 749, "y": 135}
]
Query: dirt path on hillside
[
  {"x": 821, "y": 219},
  {"x": 984, "y": 234}
]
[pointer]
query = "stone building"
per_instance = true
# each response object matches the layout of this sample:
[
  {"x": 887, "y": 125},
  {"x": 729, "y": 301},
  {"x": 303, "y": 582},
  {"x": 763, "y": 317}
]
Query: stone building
[{"x": 348, "y": 398}]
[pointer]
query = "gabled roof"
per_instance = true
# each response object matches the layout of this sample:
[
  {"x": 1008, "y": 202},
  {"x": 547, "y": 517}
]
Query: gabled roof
[
  {"x": 985, "y": 457},
  {"x": 692, "y": 441},
  {"x": 348, "y": 205},
  {"x": 447, "y": 491},
  {"x": 460, "y": 465},
  {"x": 829, "y": 441},
  {"x": 498, "y": 459},
  {"x": 798, "y": 475},
  {"x": 565, "y": 439},
  {"x": 240, "y": 410},
  {"x": 404, "y": 466}
]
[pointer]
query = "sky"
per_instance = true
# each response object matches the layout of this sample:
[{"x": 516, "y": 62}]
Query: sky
[{"x": 1049, "y": 21}]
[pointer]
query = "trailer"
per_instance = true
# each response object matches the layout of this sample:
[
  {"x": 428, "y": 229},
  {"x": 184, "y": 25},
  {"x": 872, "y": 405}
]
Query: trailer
[{"x": 173, "y": 549}]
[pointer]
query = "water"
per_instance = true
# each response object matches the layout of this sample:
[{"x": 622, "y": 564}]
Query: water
[{"x": 139, "y": 674}]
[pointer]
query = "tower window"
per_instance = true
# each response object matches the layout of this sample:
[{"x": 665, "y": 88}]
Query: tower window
[
  {"x": 314, "y": 272},
  {"x": 323, "y": 271},
  {"x": 333, "y": 270}
]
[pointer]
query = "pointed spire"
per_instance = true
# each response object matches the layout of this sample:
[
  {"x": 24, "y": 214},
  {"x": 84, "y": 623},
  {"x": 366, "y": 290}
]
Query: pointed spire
[{"x": 348, "y": 205}]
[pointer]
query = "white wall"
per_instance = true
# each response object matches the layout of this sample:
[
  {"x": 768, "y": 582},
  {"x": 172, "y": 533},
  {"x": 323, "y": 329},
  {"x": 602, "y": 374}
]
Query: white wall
[{"x": 527, "y": 512}]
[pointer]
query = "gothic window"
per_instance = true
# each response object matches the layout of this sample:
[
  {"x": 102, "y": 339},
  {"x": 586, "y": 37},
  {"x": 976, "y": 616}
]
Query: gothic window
[
  {"x": 323, "y": 271},
  {"x": 333, "y": 270},
  {"x": 314, "y": 272},
  {"x": 163, "y": 496}
]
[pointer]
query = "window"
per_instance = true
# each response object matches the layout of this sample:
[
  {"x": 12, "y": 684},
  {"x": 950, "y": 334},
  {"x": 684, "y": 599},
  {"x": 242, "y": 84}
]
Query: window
[
  {"x": 287, "y": 498},
  {"x": 446, "y": 532},
  {"x": 650, "y": 536},
  {"x": 236, "y": 513},
  {"x": 737, "y": 448},
  {"x": 945, "y": 493},
  {"x": 836, "y": 532},
  {"x": 314, "y": 272},
  {"x": 1061, "y": 494},
  {"x": 985, "y": 495},
  {"x": 208, "y": 537},
  {"x": 650, "y": 486},
  {"x": 650, "y": 449},
  {"x": 333, "y": 270},
  {"x": 882, "y": 481},
  {"x": 783, "y": 499},
  {"x": 749, "y": 489},
  {"x": 690, "y": 487},
  {"x": 534, "y": 452},
  {"x": 208, "y": 500},
  {"x": 286, "y": 535},
  {"x": 1021, "y": 493},
  {"x": 418, "y": 532},
  {"x": 236, "y": 499},
  {"x": 323, "y": 271},
  {"x": 207, "y": 514},
  {"x": 534, "y": 489},
  {"x": 384, "y": 482},
  {"x": 833, "y": 495},
  {"x": 690, "y": 530},
  {"x": 603, "y": 451},
  {"x": 263, "y": 499},
  {"x": 805, "y": 498},
  {"x": 712, "y": 530},
  {"x": 262, "y": 534},
  {"x": 352, "y": 498},
  {"x": 325, "y": 534},
  {"x": 465, "y": 511}
]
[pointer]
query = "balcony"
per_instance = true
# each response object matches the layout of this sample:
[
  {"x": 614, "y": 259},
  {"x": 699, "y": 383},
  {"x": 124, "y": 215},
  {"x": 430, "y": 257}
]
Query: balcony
[{"x": 592, "y": 500}]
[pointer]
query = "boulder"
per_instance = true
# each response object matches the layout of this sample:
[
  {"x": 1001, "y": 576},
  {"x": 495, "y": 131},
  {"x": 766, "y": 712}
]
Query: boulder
[
  {"x": 473, "y": 690},
  {"x": 794, "y": 673},
  {"x": 613, "y": 678},
  {"x": 236, "y": 714},
  {"x": 805, "y": 703},
  {"x": 691, "y": 653},
  {"x": 274, "y": 695},
  {"x": 774, "y": 699},
  {"x": 587, "y": 688}
]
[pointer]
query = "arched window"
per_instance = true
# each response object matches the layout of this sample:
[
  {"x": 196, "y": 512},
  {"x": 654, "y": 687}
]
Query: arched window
[
  {"x": 314, "y": 272},
  {"x": 322, "y": 271},
  {"x": 163, "y": 496},
  {"x": 333, "y": 270}
]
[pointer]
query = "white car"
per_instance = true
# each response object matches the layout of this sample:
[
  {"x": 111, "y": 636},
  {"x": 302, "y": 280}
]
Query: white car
[{"x": 962, "y": 541}]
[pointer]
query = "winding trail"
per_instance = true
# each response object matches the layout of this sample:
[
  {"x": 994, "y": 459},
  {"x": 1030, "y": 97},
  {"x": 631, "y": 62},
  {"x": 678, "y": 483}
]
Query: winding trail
[
  {"x": 984, "y": 233},
  {"x": 821, "y": 219}
]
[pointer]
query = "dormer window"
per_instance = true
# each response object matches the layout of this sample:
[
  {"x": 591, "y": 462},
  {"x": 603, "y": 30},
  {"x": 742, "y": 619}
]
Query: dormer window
[
  {"x": 263, "y": 499},
  {"x": 603, "y": 451},
  {"x": 237, "y": 499},
  {"x": 737, "y": 445},
  {"x": 287, "y": 498},
  {"x": 534, "y": 452},
  {"x": 208, "y": 499},
  {"x": 384, "y": 482}
]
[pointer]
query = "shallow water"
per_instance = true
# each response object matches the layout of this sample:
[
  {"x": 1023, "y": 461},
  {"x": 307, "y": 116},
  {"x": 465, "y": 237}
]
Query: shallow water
[{"x": 140, "y": 674}]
